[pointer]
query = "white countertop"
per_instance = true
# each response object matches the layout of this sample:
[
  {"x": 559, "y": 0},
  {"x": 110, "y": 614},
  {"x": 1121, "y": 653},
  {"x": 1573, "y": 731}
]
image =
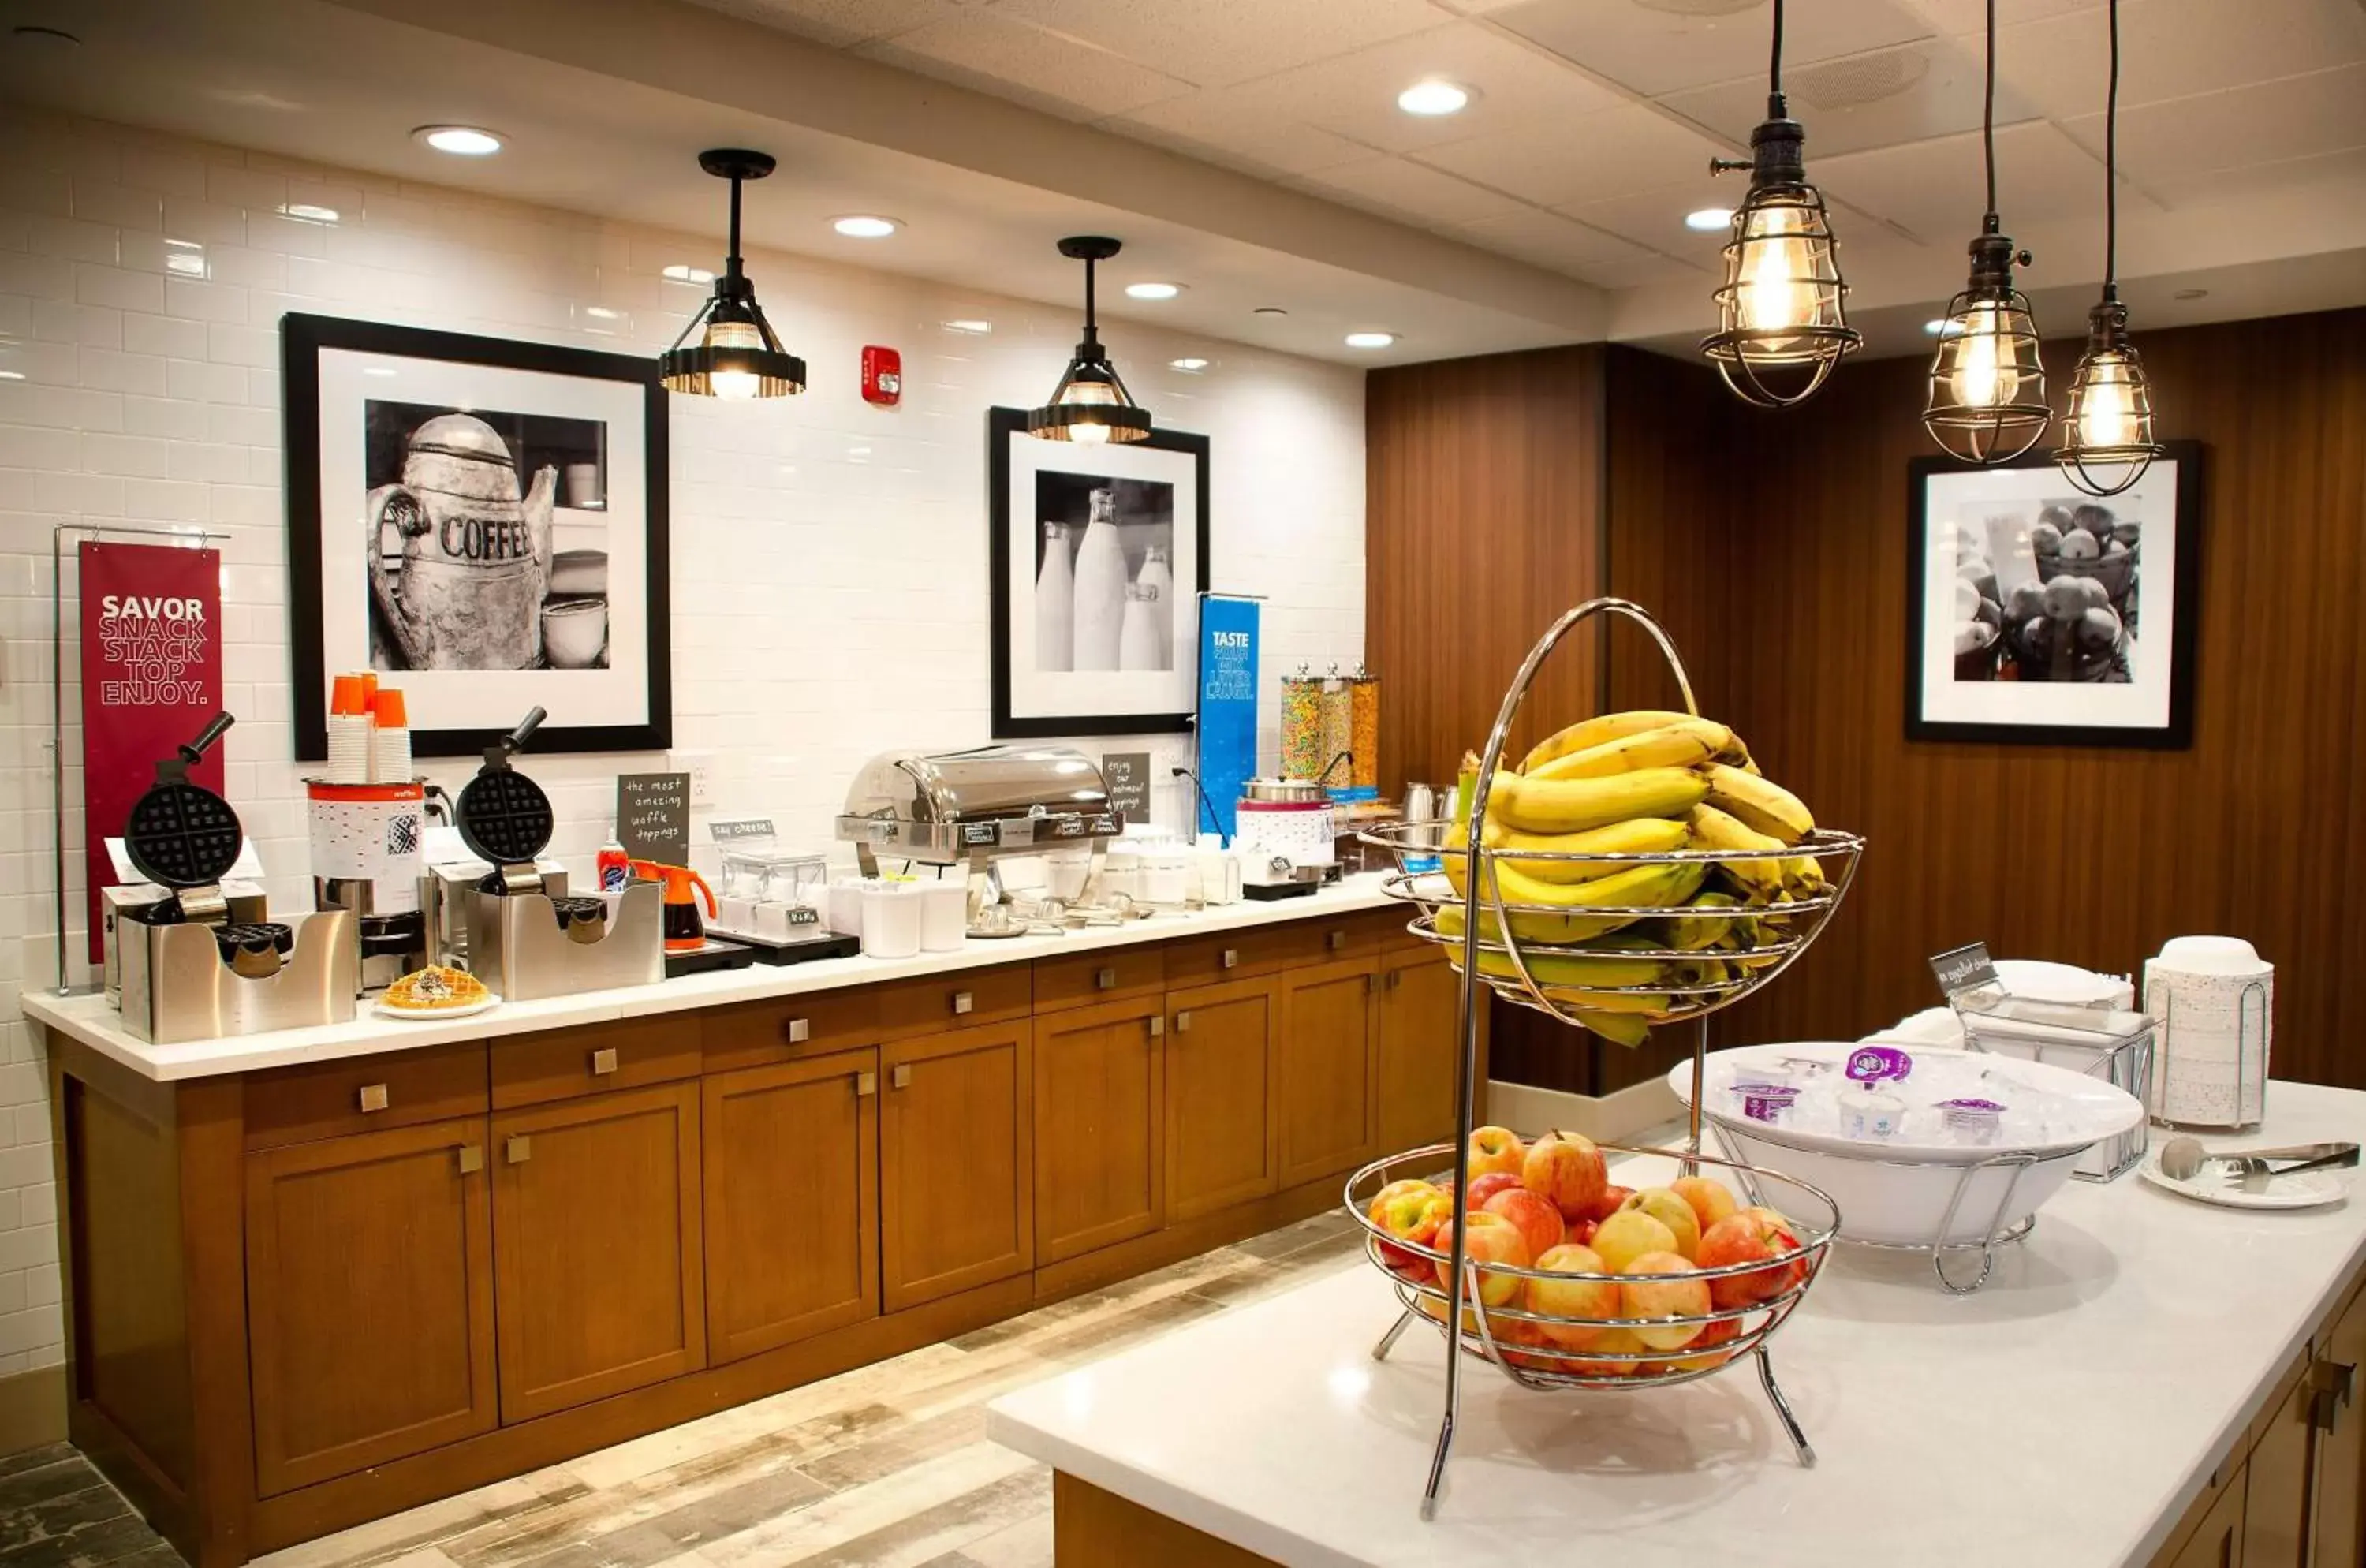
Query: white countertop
[
  {"x": 89, "y": 1019},
  {"x": 2066, "y": 1415}
]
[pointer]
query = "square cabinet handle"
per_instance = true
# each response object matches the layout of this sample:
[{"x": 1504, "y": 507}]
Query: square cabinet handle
[
  {"x": 964, "y": 1002},
  {"x": 518, "y": 1150},
  {"x": 604, "y": 1060},
  {"x": 900, "y": 1076},
  {"x": 865, "y": 1085},
  {"x": 372, "y": 1098},
  {"x": 1336, "y": 940},
  {"x": 1158, "y": 1026},
  {"x": 1105, "y": 979},
  {"x": 1231, "y": 958},
  {"x": 797, "y": 1030},
  {"x": 1183, "y": 1022},
  {"x": 472, "y": 1159}
]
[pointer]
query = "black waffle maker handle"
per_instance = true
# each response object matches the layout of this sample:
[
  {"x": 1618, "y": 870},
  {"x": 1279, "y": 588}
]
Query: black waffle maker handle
[
  {"x": 498, "y": 753},
  {"x": 175, "y": 769}
]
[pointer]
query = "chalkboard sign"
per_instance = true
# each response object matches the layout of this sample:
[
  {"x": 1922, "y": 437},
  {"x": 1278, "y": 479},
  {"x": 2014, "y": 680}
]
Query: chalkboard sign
[
  {"x": 653, "y": 816},
  {"x": 1965, "y": 969},
  {"x": 1127, "y": 774}
]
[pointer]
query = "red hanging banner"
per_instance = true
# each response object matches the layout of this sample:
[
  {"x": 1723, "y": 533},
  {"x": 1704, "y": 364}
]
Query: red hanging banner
[{"x": 151, "y": 675}]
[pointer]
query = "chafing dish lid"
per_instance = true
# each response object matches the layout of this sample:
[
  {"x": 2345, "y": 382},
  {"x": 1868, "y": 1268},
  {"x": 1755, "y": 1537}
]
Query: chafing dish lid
[{"x": 979, "y": 786}]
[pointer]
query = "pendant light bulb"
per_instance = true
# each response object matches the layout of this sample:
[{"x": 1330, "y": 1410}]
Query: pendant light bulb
[
  {"x": 2107, "y": 439},
  {"x": 1987, "y": 401},
  {"x": 736, "y": 358},
  {"x": 1091, "y": 404},
  {"x": 1781, "y": 323}
]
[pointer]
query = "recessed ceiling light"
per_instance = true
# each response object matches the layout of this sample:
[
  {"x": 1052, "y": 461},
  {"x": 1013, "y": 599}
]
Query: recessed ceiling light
[
  {"x": 974, "y": 327},
  {"x": 1433, "y": 99},
  {"x": 1152, "y": 290},
  {"x": 2191, "y": 294},
  {"x": 377, "y": 370},
  {"x": 1194, "y": 365},
  {"x": 1709, "y": 219},
  {"x": 1268, "y": 311},
  {"x": 682, "y": 272},
  {"x": 1935, "y": 328},
  {"x": 1370, "y": 340},
  {"x": 601, "y": 313},
  {"x": 464, "y": 140},
  {"x": 306, "y": 213},
  {"x": 865, "y": 226},
  {"x": 11, "y": 375}
]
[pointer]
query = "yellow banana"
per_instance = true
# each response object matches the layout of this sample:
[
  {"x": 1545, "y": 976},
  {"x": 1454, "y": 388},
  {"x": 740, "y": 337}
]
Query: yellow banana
[
  {"x": 1693, "y": 933},
  {"x": 1758, "y": 803},
  {"x": 1715, "y": 829},
  {"x": 1618, "y": 1028},
  {"x": 1677, "y": 745},
  {"x": 1637, "y": 836},
  {"x": 1560, "y": 969},
  {"x": 1654, "y": 886},
  {"x": 1571, "y": 806},
  {"x": 1803, "y": 876},
  {"x": 1594, "y": 731},
  {"x": 1529, "y": 926},
  {"x": 1613, "y": 1002}
]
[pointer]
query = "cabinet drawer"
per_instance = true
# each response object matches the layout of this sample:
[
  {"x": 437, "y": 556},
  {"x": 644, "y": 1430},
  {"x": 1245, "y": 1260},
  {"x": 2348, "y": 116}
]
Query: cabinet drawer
[
  {"x": 1321, "y": 942},
  {"x": 361, "y": 1094},
  {"x": 956, "y": 1001},
  {"x": 1108, "y": 975},
  {"x": 1228, "y": 955},
  {"x": 565, "y": 1062},
  {"x": 793, "y": 1027}
]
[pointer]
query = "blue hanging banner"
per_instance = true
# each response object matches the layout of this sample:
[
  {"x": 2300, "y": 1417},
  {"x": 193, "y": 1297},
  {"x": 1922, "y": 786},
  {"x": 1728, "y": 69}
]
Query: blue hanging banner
[{"x": 1228, "y": 705}]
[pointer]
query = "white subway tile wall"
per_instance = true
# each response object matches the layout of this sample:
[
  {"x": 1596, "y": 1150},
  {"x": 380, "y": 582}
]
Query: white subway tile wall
[{"x": 828, "y": 558}]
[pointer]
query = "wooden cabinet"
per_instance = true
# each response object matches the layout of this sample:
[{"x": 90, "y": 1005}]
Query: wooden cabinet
[
  {"x": 2276, "y": 1485},
  {"x": 1325, "y": 1101},
  {"x": 1100, "y": 1171},
  {"x": 2219, "y": 1542},
  {"x": 1420, "y": 1048},
  {"x": 792, "y": 1201},
  {"x": 956, "y": 1154},
  {"x": 598, "y": 1283},
  {"x": 369, "y": 1299},
  {"x": 1223, "y": 1144},
  {"x": 2339, "y": 1538}
]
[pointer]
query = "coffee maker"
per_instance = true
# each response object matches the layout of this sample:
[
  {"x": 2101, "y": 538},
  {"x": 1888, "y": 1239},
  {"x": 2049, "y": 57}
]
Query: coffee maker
[{"x": 368, "y": 858}]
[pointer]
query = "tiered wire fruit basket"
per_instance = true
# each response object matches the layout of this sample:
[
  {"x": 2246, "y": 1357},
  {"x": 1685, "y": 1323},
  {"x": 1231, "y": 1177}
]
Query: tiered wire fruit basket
[{"x": 1481, "y": 937}]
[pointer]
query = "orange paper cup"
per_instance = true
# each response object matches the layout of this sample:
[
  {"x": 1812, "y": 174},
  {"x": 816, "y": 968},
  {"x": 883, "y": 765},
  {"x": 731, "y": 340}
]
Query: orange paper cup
[
  {"x": 389, "y": 710},
  {"x": 347, "y": 697}
]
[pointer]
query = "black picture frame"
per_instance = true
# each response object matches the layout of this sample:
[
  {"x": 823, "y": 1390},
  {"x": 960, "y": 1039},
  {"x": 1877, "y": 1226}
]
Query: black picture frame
[
  {"x": 2192, "y": 469},
  {"x": 303, "y": 338},
  {"x": 1002, "y": 424}
]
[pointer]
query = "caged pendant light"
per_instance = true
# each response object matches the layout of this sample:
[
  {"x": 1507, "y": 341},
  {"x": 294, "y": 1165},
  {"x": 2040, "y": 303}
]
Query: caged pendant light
[
  {"x": 1091, "y": 404},
  {"x": 2107, "y": 440},
  {"x": 1782, "y": 327},
  {"x": 736, "y": 355},
  {"x": 1988, "y": 383}
]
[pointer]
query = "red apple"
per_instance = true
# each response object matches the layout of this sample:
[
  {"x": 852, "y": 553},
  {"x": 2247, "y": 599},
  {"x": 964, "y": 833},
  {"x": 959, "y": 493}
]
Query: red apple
[
  {"x": 1581, "y": 1232},
  {"x": 1648, "y": 1295},
  {"x": 1538, "y": 1221},
  {"x": 1627, "y": 1234},
  {"x": 1567, "y": 1168},
  {"x": 1613, "y": 1199},
  {"x": 1487, "y": 1185},
  {"x": 1673, "y": 1212},
  {"x": 1614, "y": 1341},
  {"x": 1711, "y": 1199},
  {"x": 1410, "y": 1211},
  {"x": 1496, "y": 1148},
  {"x": 1747, "y": 1237},
  {"x": 1722, "y": 1331},
  {"x": 1486, "y": 1239},
  {"x": 1572, "y": 1298}
]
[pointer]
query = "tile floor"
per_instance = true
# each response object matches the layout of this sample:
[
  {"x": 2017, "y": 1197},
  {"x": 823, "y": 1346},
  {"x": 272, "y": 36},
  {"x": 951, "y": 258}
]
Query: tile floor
[{"x": 887, "y": 1466}]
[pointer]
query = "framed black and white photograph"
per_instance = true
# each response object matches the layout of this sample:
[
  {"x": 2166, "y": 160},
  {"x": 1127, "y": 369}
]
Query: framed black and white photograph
[
  {"x": 483, "y": 523},
  {"x": 2037, "y": 614},
  {"x": 1099, "y": 554}
]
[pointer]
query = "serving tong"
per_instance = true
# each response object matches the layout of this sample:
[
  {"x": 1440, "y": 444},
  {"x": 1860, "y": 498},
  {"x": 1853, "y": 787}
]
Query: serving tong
[{"x": 2181, "y": 1159}]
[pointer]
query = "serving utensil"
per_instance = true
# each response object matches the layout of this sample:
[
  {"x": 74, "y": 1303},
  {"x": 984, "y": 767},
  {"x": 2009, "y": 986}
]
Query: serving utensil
[{"x": 2182, "y": 1158}]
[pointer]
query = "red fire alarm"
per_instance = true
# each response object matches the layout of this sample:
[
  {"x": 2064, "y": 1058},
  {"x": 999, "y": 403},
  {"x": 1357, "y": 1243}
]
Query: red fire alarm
[{"x": 883, "y": 376}]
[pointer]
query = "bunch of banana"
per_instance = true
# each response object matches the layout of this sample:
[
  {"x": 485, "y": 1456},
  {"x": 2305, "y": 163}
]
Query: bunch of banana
[{"x": 1641, "y": 887}]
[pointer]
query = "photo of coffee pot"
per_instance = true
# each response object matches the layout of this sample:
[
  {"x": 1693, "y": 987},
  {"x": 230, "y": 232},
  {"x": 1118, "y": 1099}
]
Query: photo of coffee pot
[{"x": 467, "y": 591}]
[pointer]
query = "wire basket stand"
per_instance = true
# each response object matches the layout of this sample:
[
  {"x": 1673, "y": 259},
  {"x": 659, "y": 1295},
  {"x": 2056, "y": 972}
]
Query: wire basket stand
[{"x": 1488, "y": 947}]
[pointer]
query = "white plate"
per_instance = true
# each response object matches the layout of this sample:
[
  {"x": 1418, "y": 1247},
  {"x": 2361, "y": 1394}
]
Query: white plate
[
  {"x": 2309, "y": 1189},
  {"x": 2065, "y": 983},
  {"x": 428, "y": 1015}
]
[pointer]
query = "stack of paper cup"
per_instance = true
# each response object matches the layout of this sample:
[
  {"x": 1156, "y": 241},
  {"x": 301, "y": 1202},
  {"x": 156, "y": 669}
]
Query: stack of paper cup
[
  {"x": 2213, "y": 998},
  {"x": 390, "y": 742},
  {"x": 352, "y": 728}
]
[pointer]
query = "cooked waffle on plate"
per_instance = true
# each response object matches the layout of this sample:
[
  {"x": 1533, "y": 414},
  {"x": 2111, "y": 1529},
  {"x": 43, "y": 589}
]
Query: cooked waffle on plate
[{"x": 435, "y": 990}]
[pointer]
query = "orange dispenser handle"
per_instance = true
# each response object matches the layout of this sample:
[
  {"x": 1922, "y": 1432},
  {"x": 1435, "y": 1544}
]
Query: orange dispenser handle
[{"x": 677, "y": 880}]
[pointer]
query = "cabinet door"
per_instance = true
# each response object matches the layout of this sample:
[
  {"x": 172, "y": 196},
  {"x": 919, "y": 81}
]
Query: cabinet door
[
  {"x": 2218, "y": 1544},
  {"x": 596, "y": 1269},
  {"x": 1222, "y": 1143},
  {"x": 1100, "y": 1171},
  {"x": 369, "y": 1296},
  {"x": 2276, "y": 1488},
  {"x": 792, "y": 1158},
  {"x": 2340, "y": 1539},
  {"x": 1421, "y": 1040},
  {"x": 1328, "y": 1112},
  {"x": 956, "y": 1162}
]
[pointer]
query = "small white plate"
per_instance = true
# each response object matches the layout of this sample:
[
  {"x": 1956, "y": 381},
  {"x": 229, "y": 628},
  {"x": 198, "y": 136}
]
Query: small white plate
[
  {"x": 428, "y": 1015},
  {"x": 2309, "y": 1189}
]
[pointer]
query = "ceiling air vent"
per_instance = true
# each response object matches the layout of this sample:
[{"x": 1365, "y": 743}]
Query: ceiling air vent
[
  {"x": 1715, "y": 7},
  {"x": 1860, "y": 79}
]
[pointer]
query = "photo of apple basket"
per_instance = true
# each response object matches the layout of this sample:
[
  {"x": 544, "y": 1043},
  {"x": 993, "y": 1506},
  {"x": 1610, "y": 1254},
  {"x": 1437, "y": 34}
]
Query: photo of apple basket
[{"x": 1442, "y": 1285}]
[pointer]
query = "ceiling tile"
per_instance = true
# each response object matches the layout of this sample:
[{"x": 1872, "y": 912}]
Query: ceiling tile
[
  {"x": 1645, "y": 271},
  {"x": 1548, "y": 240},
  {"x": 840, "y": 22},
  {"x": 2295, "y": 117},
  {"x": 1877, "y": 99},
  {"x": 1655, "y": 219},
  {"x": 1213, "y": 42},
  {"x": 1262, "y": 141},
  {"x": 980, "y": 50},
  {"x": 2342, "y": 175},
  {"x": 1664, "y": 45},
  {"x": 1562, "y": 162},
  {"x": 1399, "y": 189},
  {"x": 1938, "y": 190},
  {"x": 1355, "y": 96},
  {"x": 2175, "y": 49},
  {"x": 1971, "y": 16}
]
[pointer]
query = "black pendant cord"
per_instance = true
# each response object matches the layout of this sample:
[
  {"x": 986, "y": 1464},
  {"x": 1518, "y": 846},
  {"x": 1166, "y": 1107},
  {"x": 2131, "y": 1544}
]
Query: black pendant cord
[
  {"x": 731, "y": 262},
  {"x": 1774, "y": 66},
  {"x": 2111, "y": 165},
  {"x": 1988, "y": 123},
  {"x": 1092, "y": 333}
]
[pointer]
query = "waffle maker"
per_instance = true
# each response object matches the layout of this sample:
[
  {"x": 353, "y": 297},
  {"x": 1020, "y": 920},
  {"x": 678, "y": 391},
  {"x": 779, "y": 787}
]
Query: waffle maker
[
  {"x": 526, "y": 937},
  {"x": 187, "y": 969}
]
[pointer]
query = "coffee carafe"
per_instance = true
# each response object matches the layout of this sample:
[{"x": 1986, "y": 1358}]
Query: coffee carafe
[{"x": 468, "y": 592}]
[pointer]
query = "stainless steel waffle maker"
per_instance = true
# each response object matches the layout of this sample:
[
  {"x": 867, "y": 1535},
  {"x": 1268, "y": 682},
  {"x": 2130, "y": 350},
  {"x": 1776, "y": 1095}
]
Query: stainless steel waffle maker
[
  {"x": 526, "y": 937},
  {"x": 189, "y": 971}
]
